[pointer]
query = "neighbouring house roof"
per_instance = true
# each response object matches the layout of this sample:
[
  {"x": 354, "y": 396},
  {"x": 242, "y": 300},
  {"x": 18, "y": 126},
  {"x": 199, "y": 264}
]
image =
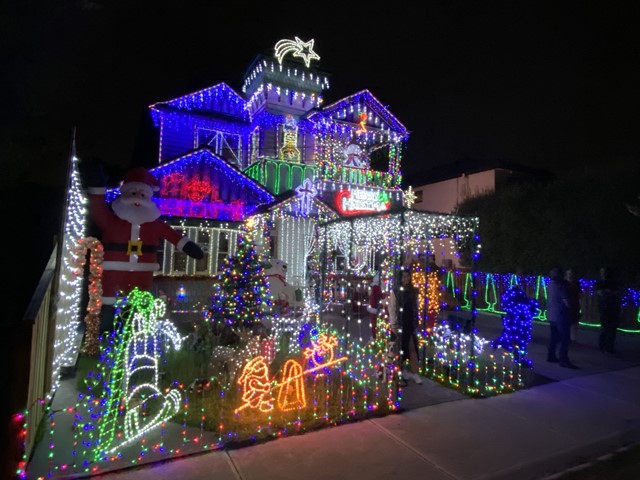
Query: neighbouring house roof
[{"x": 470, "y": 166}]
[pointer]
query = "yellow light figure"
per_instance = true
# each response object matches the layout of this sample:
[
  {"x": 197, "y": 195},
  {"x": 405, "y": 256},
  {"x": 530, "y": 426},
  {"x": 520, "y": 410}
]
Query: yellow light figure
[
  {"x": 256, "y": 388},
  {"x": 434, "y": 298},
  {"x": 289, "y": 151},
  {"x": 419, "y": 282},
  {"x": 363, "y": 117},
  {"x": 292, "y": 394}
]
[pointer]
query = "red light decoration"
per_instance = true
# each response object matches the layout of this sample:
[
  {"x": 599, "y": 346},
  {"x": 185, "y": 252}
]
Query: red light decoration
[
  {"x": 92, "y": 318},
  {"x": 197, "y": 190},
  {"x": 171, "y": 184}
]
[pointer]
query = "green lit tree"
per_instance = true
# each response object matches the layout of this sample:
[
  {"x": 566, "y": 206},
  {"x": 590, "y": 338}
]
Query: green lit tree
[{"x": 241, "y": 292}]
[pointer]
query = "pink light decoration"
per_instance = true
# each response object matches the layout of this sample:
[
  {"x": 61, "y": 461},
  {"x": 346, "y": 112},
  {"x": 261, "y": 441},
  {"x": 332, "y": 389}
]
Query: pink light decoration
[{"x": 174, "y": 207}]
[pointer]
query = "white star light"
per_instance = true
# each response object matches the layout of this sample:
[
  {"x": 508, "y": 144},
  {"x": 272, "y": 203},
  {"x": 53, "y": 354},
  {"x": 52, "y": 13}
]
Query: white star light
[
  {"x": 297, "y": 48},
  {"x": 409, "y": 197}
]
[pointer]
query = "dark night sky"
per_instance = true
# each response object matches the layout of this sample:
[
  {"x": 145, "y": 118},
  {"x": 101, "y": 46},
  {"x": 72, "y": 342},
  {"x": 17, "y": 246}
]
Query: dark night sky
[
  {"x": 546, "y": 84},
  {"x": 550, "y": 84}
]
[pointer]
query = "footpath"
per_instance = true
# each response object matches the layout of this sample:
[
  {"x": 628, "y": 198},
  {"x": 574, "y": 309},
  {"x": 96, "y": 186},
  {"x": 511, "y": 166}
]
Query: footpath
[{"x": 564, "y": 418}]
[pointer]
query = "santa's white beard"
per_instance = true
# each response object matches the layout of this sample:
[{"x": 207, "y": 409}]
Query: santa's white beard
[{"x": 135, "y": 210}]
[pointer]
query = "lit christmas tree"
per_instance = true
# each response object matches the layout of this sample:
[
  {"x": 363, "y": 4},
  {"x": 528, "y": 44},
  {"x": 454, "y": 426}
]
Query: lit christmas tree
[
  {"x": 241, "y": 292},
  {"x": 516, "y": 323}
]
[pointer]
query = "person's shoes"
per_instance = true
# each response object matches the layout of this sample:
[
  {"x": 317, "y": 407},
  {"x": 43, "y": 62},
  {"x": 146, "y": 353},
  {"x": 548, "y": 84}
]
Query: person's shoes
[
  {"x": 552, "y": 360},
  {"x": 568, "y": 365}
]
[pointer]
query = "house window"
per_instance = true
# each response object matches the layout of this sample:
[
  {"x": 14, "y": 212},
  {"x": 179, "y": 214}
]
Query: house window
[
  {"x": 204, "y": 240},
  {"x": 179, "y": 263},
  {"x": 223, "y": 249},
  {"x": 160, "y": 256},
  {"x": 227, "y": 145},
  {"x": 418, "y": 196}
]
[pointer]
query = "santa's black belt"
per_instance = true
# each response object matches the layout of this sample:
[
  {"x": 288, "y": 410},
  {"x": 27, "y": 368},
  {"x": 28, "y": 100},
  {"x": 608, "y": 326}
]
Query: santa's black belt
[{"x": 124, "y": 247}]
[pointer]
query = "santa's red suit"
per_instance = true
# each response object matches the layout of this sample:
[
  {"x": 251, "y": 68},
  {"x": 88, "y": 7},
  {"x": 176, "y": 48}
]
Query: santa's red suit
[{"x": 131, "y": 238}]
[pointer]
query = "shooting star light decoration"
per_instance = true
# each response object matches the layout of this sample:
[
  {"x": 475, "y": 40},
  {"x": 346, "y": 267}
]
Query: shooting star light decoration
[{"x": 297, "y": 48}]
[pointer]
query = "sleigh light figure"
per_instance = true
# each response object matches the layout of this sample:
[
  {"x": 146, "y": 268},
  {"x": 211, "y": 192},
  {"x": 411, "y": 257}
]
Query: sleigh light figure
[{"x": 257, "y": 388}]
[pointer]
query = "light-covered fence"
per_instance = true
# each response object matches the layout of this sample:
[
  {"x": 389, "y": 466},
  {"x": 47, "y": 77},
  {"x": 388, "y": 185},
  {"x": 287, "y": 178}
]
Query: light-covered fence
[{"x": 458, "y": 289}]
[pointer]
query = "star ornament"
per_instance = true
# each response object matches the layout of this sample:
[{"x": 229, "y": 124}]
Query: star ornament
[
  {"x": 409, "y": 197},
  {"x": 297, "y": 48}
]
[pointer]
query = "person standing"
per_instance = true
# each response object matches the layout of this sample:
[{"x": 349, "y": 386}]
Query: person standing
[
  {"x": 575, "y": 294},
  {"x": 559, "y": 319},
  {"x": 406, "y": 302},
  {"x": 608, "y": 300}
]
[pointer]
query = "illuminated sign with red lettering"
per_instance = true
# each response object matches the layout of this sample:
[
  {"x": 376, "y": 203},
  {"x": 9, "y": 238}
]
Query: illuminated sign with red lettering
[{"x": 357, "y": 201}]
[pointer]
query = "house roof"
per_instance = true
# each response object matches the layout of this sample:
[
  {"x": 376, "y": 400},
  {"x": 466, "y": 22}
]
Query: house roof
[
  {"x": 373, "y": 104},
  {"x": 204, "y": 155},
  {"x": 218, "y": 99},
  {"x": 468, "y": 166},
  {"x": 290, "y": 196}
]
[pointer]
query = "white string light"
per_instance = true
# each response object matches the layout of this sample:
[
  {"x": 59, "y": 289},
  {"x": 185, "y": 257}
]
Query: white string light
[{"x": 65, "y": 344}]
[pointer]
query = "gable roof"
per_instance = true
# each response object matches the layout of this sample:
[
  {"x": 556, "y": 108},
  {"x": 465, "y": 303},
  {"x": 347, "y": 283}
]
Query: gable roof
[
  {"x": 205, "y": 156},
  {"x": 288, "y": 198},
  {"x": 220, "y": 99},
  {"x": 364, "y": 97}
]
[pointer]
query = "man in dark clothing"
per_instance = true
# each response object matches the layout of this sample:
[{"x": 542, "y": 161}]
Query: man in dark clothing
[
  {"x": 559, "y": 319},
  {"x": 608, "y": 296},
  {"x": 407, "y": 303}
]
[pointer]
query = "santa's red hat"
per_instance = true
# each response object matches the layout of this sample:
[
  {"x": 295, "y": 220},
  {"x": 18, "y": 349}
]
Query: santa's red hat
[{"x": 140, "y": 176}]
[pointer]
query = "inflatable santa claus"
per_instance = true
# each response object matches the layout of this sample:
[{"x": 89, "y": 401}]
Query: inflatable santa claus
[{"x": 131, "y": 234}]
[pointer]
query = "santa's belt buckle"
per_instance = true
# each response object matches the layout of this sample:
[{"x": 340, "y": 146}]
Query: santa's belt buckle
[{"x": 134, "y": 247}]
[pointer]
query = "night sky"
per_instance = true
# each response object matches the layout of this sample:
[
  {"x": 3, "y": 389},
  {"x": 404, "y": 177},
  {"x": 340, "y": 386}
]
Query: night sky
[
  {"x": 545, "y": 84},
  {"x": 550, "y": 84}
]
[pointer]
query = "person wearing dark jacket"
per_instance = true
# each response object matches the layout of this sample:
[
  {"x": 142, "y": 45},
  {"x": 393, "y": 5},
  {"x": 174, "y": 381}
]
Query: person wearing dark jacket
[
  {"x": 559, "y": 319},
  {"x": 403, "y": 310},
  {"x": 575, "y": 293},
  {"x": 608, "y": 299}
]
